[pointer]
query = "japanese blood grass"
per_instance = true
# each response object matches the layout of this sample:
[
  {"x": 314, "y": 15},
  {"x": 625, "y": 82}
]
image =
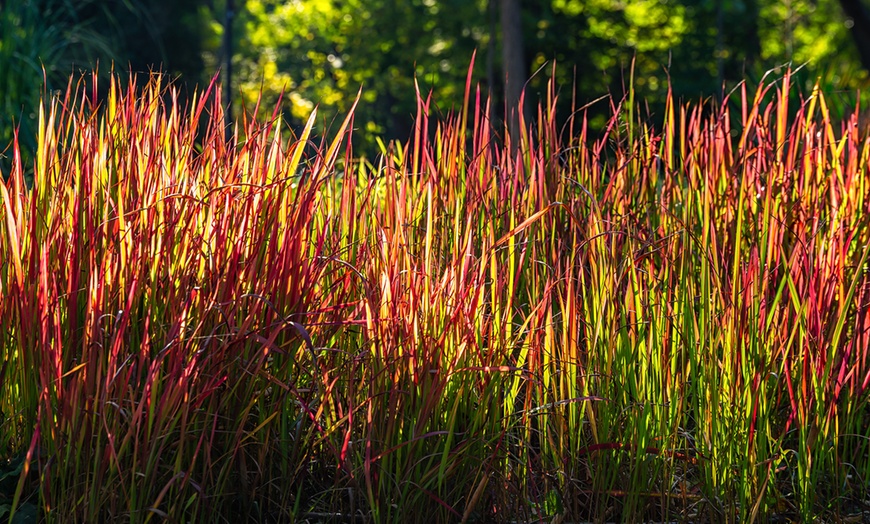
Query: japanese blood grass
[
  {"x": 668, "y": 321},
  {"x": 154, "y": 287}
]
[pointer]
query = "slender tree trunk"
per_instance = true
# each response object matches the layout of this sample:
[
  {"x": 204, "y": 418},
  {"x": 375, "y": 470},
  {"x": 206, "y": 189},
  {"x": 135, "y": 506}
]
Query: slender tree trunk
[
  {"x": 753, "y": 39},
  {"x": 720, "y": 47},
  {"x": 857, "y": 11},
  {"x": 228, "y": 64},
  {"x": 492, "y": 17},
  {"x": 514, "y": 64}
]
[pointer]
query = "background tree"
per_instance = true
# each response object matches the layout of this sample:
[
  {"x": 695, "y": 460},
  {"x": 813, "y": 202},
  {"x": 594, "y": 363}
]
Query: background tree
[
  {"x": 513, "y": 62},
  {"x": 319, "y": 52},
  {"x": 176, "y": 34},
  {"x": 859, "y": 27},
  {"x": 42, "y": 42},
  {"x": 63, "y": 38}
]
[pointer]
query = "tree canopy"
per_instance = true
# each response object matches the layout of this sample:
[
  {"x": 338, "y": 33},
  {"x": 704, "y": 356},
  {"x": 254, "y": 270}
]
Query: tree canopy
[{"x": 320, "y": 52}]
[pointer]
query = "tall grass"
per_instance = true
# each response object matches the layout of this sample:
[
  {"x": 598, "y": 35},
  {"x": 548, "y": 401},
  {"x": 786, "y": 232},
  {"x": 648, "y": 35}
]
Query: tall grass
[{"x": 666, "y": 321}]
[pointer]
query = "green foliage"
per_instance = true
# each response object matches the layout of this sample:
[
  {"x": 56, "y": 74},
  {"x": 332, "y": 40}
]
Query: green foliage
[
  {"x": 10, "y": 473},
  {"x": 320, "y": 52},
  {"x": 43, "y": 42},
  {"x": 802, "y": 31},
  {"x": 699, "y": 48}
]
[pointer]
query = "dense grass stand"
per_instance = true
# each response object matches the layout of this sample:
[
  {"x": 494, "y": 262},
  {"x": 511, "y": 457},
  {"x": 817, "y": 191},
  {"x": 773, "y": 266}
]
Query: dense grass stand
[{"x": 668, "y": 321}]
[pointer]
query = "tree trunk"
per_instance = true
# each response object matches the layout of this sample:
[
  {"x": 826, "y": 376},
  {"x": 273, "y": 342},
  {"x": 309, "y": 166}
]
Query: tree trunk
[
  {"x": 753, "y": 39},
  {"x": 228, "y": 64},
  {"x": 492, "y": 17},
  {"x": 514, "y": 64},
  {"x": 860, "y": 29}
]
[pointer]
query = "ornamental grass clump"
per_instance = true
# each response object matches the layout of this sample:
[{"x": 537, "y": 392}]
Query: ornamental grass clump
[{"x": 664, "y": 321}]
